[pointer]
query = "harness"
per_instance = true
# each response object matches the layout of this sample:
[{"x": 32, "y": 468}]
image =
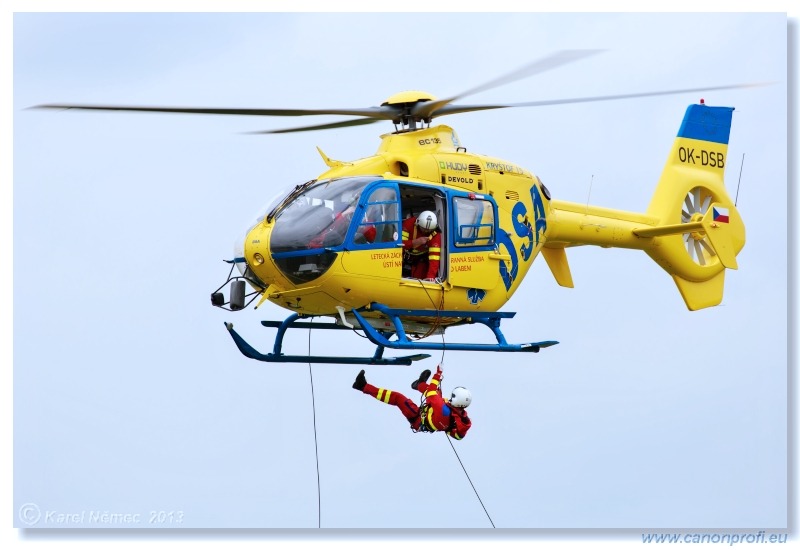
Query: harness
[
  {"x": 425, "y": 416},
  {"x": 424, "y": 426},
  {"x": 414, "y": 254}
]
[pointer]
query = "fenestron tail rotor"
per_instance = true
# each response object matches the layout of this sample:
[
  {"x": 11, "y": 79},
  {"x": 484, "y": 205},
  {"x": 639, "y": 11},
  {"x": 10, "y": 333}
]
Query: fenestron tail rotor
[{"x": 696, "y": 204}]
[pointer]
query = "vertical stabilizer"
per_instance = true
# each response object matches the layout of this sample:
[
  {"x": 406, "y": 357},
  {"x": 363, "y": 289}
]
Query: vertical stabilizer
[{"x": 699, "y": 230}]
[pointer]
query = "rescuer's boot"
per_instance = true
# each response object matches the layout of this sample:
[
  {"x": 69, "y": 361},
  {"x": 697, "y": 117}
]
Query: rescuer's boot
[
  {"x": 423, "y": 377},
  {"x": 361, "y": 381}
]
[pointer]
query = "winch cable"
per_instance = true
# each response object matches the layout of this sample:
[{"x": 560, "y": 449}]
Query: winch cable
[
  {"x": 438, "y": 324},
  {"x": 441, "y": 362},
  {"x": 470, "y": 481},
  {"x": 314, "y": 416},
  {"x": 316, "y": 445}
]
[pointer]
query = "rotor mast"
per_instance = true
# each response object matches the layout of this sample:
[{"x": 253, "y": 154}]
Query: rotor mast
[{"x": 404, "y": 103}]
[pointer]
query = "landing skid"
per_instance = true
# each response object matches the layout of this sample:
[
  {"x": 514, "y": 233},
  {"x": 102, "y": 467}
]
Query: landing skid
[
  {"x": 491, "y": 319},
  {"x": 396, "y": 339},
  {"x": 278, "y": 357}
]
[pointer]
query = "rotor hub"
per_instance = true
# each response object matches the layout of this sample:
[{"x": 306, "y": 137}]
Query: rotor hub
[{"x": 410, "y": 96}]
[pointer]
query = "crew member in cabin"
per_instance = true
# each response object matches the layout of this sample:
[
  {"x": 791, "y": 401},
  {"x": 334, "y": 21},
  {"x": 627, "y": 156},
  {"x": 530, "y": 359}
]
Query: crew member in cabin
[{"x": 422, "y": 247}]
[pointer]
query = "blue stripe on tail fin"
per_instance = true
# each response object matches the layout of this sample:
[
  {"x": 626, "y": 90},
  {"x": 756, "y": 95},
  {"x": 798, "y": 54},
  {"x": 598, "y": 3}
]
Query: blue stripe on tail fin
[{"x": 707, "y": 123}]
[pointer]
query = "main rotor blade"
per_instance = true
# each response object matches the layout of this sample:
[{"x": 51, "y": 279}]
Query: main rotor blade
[
  {"x": 378, "y": 113},
  {"x": 343, "y": 124},
  {"x": 557, "y": 59},
  {"x": 454, "y": 109}
]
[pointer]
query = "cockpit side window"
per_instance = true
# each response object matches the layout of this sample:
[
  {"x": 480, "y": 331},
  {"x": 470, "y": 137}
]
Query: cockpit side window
[
  {"x": 381, "y": 219},
  {"x": 317, "y": 216},
  {"x": 311, "y": 224}
]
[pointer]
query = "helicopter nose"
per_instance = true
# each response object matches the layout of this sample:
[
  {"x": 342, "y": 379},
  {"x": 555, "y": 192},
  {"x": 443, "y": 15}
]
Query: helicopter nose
[{"x": 255, "y": 253}]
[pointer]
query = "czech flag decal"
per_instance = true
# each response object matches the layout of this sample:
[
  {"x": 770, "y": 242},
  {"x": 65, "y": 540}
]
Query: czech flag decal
[{"x": 721, "y": 215}]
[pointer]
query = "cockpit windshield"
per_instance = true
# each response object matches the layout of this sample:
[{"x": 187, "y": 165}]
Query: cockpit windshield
[{"x": 318, "y": 217}]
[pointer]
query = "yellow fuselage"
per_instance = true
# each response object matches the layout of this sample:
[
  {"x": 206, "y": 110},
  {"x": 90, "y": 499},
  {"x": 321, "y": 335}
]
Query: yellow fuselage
[
  {"x": 475, "y": 276},
  {"x": 334, "y": 244}
]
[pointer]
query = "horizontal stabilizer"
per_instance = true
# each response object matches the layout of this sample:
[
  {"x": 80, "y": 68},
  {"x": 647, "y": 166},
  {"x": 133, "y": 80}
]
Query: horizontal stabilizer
[
  {"x": 715, "y": 225},
  {"x": 664, "y": 230}
]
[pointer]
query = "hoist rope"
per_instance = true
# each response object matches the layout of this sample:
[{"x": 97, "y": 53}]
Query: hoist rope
[
  {"x": 437, "y": 324},
  {"x": 441, "y": 361},
  {"x": 470, "y": 481},
  {"x": 314, "y": 418},
  {"x": 314, "y": 415}
]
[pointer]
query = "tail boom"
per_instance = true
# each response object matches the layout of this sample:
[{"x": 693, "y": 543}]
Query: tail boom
[{"x": 692, "y": 228}]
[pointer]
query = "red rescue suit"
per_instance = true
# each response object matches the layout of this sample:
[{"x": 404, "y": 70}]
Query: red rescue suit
[
  {"x": 423, "y": 259},
  {"x": 436, "y": 414}
]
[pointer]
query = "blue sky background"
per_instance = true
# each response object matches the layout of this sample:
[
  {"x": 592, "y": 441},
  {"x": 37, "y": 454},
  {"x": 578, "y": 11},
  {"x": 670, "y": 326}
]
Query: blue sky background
[{"x": 130, "y": 397}]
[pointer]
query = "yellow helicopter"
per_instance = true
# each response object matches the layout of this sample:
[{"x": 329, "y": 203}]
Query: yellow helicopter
[{"x": 338, "y": 246}]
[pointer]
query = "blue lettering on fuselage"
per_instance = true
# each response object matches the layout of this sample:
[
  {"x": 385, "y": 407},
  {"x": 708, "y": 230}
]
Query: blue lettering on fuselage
[
  {"x": 504, "y": 239},
  {"x": 523, "y": 229},
  {"x": 538, "y": 212}
]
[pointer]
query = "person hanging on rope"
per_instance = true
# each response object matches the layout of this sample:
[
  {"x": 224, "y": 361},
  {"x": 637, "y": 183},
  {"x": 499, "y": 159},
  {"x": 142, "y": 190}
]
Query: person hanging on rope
[
  {"x": 436, "y": 413},
  {"x": 422, "y": 247}
]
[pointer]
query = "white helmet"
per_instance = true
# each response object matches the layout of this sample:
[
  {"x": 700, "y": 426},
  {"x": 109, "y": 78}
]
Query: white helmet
[
  {"x": 427, "y": 220},
  {"x": 461, "y": 397}
]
